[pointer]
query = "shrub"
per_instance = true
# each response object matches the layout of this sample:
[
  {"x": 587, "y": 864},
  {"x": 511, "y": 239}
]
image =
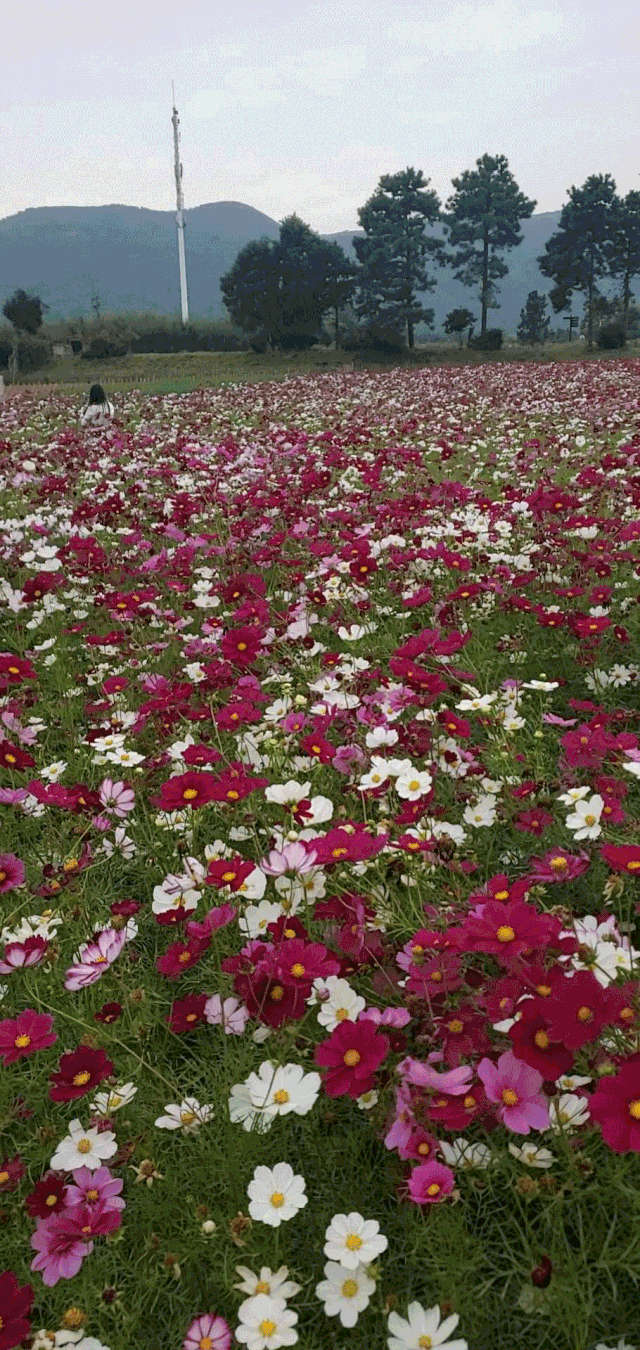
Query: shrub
[
  {"x": 611, "y": 335},
  {"x": 491, "y": 341},
  {"x": 33, "y": 352}
]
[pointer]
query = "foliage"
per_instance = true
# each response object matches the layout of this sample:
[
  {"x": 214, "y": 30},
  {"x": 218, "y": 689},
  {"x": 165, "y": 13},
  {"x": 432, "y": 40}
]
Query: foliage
[
  {"x": 24, "y": 311},
  {"x": 534, "y": 321},
  {"x": 489, "y": 341},
  {"x": 625, "y": 251},
  {"x": 33, "y": 352},
  {"x": 394, "y": 251},
  {"x": 457, "y": 320},
  {"x": 481, "y": 220},
  {"x": 583, "y": 248}
]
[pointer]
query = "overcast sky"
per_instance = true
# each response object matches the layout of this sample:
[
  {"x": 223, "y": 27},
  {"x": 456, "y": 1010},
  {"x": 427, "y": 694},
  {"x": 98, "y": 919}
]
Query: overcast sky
[{"x": 301, "y": 105}]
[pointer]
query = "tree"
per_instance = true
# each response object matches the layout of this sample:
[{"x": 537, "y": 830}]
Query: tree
[
  {"x": 625, "y": 251},
  {"x": 394, "y": 249},
  {"x": 457, "y": 320},
  {"x": 583, "y": 249},
  {"x": 250, "y": 290},
  {"x": 534, "y": 321},
  {"x": 337, "y": 281},
  {"x": 24, "y": 312},
  {"x": 480, "y": 219}
]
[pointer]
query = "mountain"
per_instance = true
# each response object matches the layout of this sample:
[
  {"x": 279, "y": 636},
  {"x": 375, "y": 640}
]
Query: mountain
[{"x": 128, "y": 256}]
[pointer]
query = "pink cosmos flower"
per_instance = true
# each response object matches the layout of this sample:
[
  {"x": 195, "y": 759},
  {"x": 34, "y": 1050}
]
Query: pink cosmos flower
[
  {"x": 28, "y": 953},
  {"x": 231, "y": 1014},
  {"x": 430, "y": 1183},
  {"x": 516, "y": 1088},
  {"x": 61, "y": 1249},
  {"x": 209, "y": 1331},
  {"x": 390, "y": 1017},
  {"x": 117, "y": 798},
  {"x": 93, "y": 1188},
  {"x": 12, "y": 872},
  {"x": 456, "y": 1082},
  {"x": 292, "y": 858},
  {"x": 94, "y": 958}
]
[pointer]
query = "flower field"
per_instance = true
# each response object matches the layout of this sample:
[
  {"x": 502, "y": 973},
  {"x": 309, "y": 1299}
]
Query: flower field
[{"x": 320, "y": 863}]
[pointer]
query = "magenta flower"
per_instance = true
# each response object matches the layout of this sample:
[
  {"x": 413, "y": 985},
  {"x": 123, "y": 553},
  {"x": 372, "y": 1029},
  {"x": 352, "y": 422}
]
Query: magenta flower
[
  {"x": 12, "y": 872},
  {"x": 95, "y": 1188},
  {"x": 210, "y": 1331},
  {"x": 118, "y": 798},
  {"x": 28, "y": 953},
  {"x": 430, "y": 1183},
  {"x": 24, "y": 1034},
  {"x": 94, "y": 958},
  {"x": 516, "y": 1089},
  {"x": 292, "y": 858},
  {"x": 390, "y": 1017}
]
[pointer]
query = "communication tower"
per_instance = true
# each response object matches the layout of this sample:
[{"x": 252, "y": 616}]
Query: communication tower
[{"x": 180, "y": 213}]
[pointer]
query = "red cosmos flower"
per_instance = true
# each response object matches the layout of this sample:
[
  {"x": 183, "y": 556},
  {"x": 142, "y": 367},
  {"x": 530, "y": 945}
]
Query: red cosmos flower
[
  {"x": 585, "y": 625},
  {"x": 500, "y": 888},
  {"x": 181, "y": 956},
  {"x": 197, "y": 755},
  {"x": 12, "y": 872},
  {"x": 299, "y": 963},
  {"x": 558, "y": 865},
  {"x": 533, "y": 821},
  {"x": 231, "y": 872},
  {"x": 622, "y": 857},
  {"x": 79, "y": 1073},
  {"x": 624, "y": 1005},
  {"x": 48, "y": 1197},
  {"x": 109, "y": 1012},
  {"x": 234, "y": 714},
  {"x": 187, "y": 789},
  {"x": 14, "y": 757},
  {"x": 25, "y": 1034},
  {"x": 318, "y": 747},
  {"x": 499, "y": 997},
  {"x": 352, "y": 1054},
  {"x": 11, "y": 1172},
  {"x": 615, "y": 1107},
  {"x": 421, "y": 1146},
  {"x": 241, "y": 645},
  {"x": 453, "y": 1112},
  {"x": 268, "y": 999},
  {"x": 15, "y": 669},
  {"x": 462, "y": 1032},
  {"x": 506, "y": 931},
  {"x": 342, "y": 845},
  {"x": 15, "y": 1304},
  {"x": 532, "y": 1042},
  {"x": 435, "y": 976},
  {"x": 578, "y": 1009},
  {"x": 187, "y": 1013},
  {"x": 201, "y": 931}
]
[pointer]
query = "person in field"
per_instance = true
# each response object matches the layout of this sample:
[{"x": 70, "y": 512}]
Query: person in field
[{"x": 97, "y": 410}]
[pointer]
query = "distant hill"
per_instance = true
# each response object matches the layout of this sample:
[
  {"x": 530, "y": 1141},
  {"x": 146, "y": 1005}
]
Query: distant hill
[{"x": 129, "y": 255}]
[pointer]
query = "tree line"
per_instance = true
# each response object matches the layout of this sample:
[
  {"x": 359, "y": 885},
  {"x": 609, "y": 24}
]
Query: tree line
[
  {"x": 276, "y": 288},
  {"x": 280, "y": 292}
]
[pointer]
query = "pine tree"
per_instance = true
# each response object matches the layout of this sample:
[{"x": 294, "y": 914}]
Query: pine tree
[
  {"x": 583, "y": 249},
  {"x": 534, "y": 321},
  {"x": 250, "y": 291},
  {"x": 481, "y": 218},
  {"x": 394, "y": 250},
  {"x": 625, "y": 252},
  {"x": 24, "y": 312},
  {"x": 457, "y": 320}
]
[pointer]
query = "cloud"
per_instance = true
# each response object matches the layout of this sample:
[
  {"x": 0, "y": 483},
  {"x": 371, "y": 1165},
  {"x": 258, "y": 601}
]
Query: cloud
[{"x": 494, "y": 28}]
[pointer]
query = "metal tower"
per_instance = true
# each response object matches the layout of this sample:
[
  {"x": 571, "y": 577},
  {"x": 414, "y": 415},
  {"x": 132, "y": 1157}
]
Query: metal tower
[{"x": 180, "y": 213}]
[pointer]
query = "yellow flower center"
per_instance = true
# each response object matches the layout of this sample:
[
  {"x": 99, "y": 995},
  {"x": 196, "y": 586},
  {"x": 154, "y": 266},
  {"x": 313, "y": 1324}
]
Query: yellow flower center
[
  {"x": 297, "y": 969},
  {"x": 585, "y": 1014},
  {"x": 11, "y": 759},
  {"x": 341, "y": 1013},
  {"x": 434, "y": 1188},
  {"x": 277, "y": 1199},
  {"x": 425, "y": 1343},
  {"x": 289, "y": 932},
  {"x": 262, "y": 1287},
  {"x": 541, "y": 1039},
  {"x": 21, "y": 1042},
  {"x": 242, "y": 647},
  {"x": 84, "y": 1146},
  {"x": 509, "y": 1097},
  {"x": 423, "y": 1148},
  {"x": 277, "y": 992},
  {"x": 469, "y": 1102},
  {"x": 501, "y": 895},
  {"x": 456, "y": 1026},
  {"x": 4, "y": 1176},
  {"x": 414, "y": 785},
  {"x": 633, "y": 865},
  {"x": 352, "y": 1058},
  {"x": 92, "y": 1195},
  {"x": 228, "y": 876},
  {"x": 505, "y": 933},
  {"x": 81, "y": 1078},
  {"x": 627, "y": 1014},
  {"x": 267, "y": 1327},
  {"x": 589, "y": 820},
  {"x": 634, "y": 1108},
  {"x": 189, "y": 794},
  {"x": 543, "y": 989},
  {"x": 51, "y": 1200},
  {"x": 281, "y": 1097},
  {"x": 233, "y": 795},
  {"x": 205, "y": 1343},
  {"x": 187, "y": 1117},
  {"x": 349, "y": 1288},
  {"x": 559, "y": 864},
  {"x": 353, "y": 1242}
]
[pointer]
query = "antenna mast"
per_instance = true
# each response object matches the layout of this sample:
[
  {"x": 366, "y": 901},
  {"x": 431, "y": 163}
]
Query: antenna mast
[{"x": 180, "y": 213}]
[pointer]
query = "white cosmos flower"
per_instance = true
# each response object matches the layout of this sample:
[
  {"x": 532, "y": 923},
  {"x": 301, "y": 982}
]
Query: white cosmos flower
[
  {"x": 83, "y": 1148},
  {"x": 532, "y": 1154},
  {"x": 380, "y": 736},
  {"x": 481, "y": 813},
  {"x": 275, "y": 1285},
  {"x": 54, "y": 771},
  {"x": 573, "y": 795},
  {"x": 585, "y": 820},
  {"x": 353, "y": 1241},
  {"x": 378, "y": 774},
  {"x": 413, "y": 784},
  {"x": 243, "y": 1111},
  {"x": 105, "y": 1103},
  {"x": 276, "y": 1194},
  {"x": 343, "y": 1004},
  {"x": 188, "y": 1116},
  {"x": 121, "y": 843},
  {"x": 567, "y": 1112},
  {"x": 231, "y": 1014},
  {"x": 461, "y": 1153},
  {"x": 345, "y": 1293},
  {"x": 278, "y": 1091},
  {"x": 422, "y": 1329},
  {"x": 265, "y": 1323},
  {"x": 253, "y": 923},
  {"x": 122, "y": 756},
  {"x": 284, "y": 794},
  {"x": 479, "y": 702}
]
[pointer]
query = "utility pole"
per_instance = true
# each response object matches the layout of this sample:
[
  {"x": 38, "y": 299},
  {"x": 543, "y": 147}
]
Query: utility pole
[{"x": 180, "y": 213}]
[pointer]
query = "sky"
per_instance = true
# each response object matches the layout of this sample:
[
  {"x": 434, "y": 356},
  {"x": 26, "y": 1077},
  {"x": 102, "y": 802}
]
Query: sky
[{"x": 302, "y": 105}]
